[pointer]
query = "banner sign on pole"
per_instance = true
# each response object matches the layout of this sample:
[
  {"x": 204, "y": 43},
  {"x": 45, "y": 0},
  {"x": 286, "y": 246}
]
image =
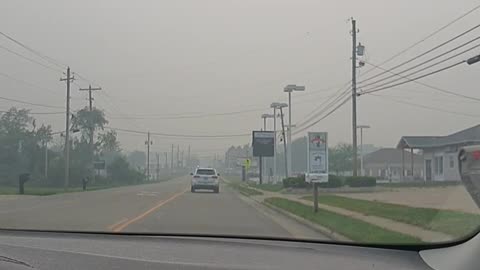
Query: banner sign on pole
[
  {"x": 263, "y": 143},
  {"x": 317, "y": 157}
]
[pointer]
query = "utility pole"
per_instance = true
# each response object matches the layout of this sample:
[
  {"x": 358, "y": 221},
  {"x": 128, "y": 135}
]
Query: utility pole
[
  {"x": 158, "y": 166},
  {"x": 46, "y": 160},
  {"x": 189, "y": 162},
  {"x": 171, "y": 158},
  {"x": 182, "y": 160},
  {"x": 148, "y": 143},
  {"x": 354, "y": 95},
  {"x": 166, "y": 160},
  {"x": 92, "y": 125},
  {"x": 284, "y": 143},
  {"x": 178, "y": 156},
  {"x": 68, "y": 79}
]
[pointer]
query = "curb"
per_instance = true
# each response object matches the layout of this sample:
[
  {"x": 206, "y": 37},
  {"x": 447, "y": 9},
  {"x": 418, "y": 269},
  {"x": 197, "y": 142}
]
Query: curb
[{"x": 323, "y": 230}]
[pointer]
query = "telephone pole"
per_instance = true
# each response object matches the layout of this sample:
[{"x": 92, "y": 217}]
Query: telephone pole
[
  {"x": 166, "y": 161},
  {"x": 354, "y": 95},
  {"x": 158, "y": 166},
  {"x": 171, "y": 159},
  {"x": 148, "y": 143},
  {"x": 68, "y": 79},
  {"x": 92, "y": 125},
  {"x": 189, "y": 162},
  {"x": 178, "y": 156}
]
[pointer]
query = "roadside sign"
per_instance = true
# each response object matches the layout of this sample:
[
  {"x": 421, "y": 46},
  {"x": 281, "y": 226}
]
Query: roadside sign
[
  {"x": 317, "y": 157},
  {"x": 99, "y": 165},
  {"x": 263, "y": 143}
]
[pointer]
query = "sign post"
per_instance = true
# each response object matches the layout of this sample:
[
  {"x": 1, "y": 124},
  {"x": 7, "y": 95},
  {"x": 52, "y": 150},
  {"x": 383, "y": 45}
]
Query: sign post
[
  {"x": 263, "y": 146},
  {"x": 317, "y": 162}
]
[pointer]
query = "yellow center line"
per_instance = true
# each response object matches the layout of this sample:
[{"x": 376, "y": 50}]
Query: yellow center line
[
  {"x": 120, "y": 226},
  {"x": 118, "y": 223}
]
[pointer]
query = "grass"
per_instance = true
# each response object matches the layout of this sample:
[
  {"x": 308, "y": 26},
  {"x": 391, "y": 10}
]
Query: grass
[
  {"x": 45, "y": 191},
  {"x": 268, "y": 187},
  {"x": 454, "y": 223},
  {"x": 354, "y": 229},
  {"x": 243, "y": 189},
  {"x": 420, "y": 184}
]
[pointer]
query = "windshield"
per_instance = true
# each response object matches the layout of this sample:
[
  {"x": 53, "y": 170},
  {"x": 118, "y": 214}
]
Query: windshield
[{"x": 326, "y": 120}]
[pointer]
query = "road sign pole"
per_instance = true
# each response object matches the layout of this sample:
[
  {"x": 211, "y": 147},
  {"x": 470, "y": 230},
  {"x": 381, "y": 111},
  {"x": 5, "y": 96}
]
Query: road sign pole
[{"x": 315, "y": 197}]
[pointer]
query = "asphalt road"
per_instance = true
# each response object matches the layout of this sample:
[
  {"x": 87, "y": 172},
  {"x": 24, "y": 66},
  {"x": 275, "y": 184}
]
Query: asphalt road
[{"x": 167, "y": 207}]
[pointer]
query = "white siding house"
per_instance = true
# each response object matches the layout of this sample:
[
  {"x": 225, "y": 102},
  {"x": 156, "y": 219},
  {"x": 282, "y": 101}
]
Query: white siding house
[{"x": 440, "y": 153}]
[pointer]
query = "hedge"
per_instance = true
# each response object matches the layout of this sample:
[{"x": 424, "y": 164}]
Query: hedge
[
  {"x": 299, "y": 182},
  {"x": 360, "y": 181}
]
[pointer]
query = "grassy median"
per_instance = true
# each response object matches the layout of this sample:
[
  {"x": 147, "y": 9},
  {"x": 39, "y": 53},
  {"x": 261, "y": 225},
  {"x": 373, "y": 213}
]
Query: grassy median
[
  {"x": 454, "y": 223},
  {"x": 244, "y": 189},
  {"x": 354, "y": 229},
  {"x": 267, "y": 187}
]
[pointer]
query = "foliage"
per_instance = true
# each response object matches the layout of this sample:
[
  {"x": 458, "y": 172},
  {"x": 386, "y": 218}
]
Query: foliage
[
  {"x": 340, "y": 158},
  {"x": 295, "y": 182},
  {"x": 88, "y": 121},
  {"x": 361, "y": 181},
  {"x": 120, "y": 171},
  {"x": 108, "y": 142},
  {"x": 334, "y": 181}
]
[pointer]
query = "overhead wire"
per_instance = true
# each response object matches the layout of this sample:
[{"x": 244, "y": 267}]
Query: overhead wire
[
  {"x": 427, "y": 61},
  {"x": 31, "y": 60},
  {"x": 31, "y": 103},
  {"x": 429, "y": 86}
]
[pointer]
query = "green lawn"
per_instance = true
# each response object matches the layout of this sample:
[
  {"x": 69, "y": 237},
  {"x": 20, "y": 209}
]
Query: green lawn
[
  {"x": 454, "y": 223},
  {"x": 44, "y": 191},
  {"x": 245, "y": 190},
  {"x": 420, "y": 184},
  {"x": 354, "y": 229},
  {"x": 268, "y": 187}
]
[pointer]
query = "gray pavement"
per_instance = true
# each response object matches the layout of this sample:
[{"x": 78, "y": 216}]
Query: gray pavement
[{"x": 167, "y": 207}]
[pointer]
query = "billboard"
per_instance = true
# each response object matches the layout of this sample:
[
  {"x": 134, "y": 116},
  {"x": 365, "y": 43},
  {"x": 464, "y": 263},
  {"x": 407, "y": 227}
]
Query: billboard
[
  {"x": 263, "y": 143},
  {"x": 317, "y": 157}
]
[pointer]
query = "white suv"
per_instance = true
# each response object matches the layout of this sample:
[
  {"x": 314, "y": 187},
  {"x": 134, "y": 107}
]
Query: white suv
[{"x": 205, "y": 178}]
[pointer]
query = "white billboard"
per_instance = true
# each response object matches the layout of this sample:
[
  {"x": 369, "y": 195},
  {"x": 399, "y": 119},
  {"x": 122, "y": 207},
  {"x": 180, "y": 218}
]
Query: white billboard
[{"x": 317, "y": 157}]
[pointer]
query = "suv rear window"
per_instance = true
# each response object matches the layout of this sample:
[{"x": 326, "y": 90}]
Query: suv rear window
[{"x": 205, "y": 172}]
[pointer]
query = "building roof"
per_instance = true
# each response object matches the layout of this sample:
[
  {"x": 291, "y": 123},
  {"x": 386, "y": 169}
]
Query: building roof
[
  {"x": 466, "y": 136},
  {"x": 391, "y": 156}
]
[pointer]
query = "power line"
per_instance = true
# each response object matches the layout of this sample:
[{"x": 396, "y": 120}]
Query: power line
[
  {"x": 39, "y": 112},
  {"x": 430, "y": 35},
  {"x": 181, "y": 135},
  {"x": 427, "y": 61},
  {"x": 28, "y": 83},
  {"x": 193, "y": 116},
  {"x": 430, "y": 86},
  {"x": 325, "y": 116},
  {"x": 31, "y": 103},
  {"x": 427, "y": 107},
  {"x": 31, "y": 60},
  {"x": 45, "y": 57},
  {"x": 412, "y": 79}
]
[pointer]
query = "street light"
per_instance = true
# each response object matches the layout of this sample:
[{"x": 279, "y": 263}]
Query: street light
[
  {"x": 289, "y": 89},
  {"x": 361, "y": 127},
  {"x": 265, "y": 116},
  {"x": 279, "y": 106}
]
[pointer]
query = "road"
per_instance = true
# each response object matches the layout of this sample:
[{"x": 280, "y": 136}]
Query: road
[{"x": 167, "y": 207}]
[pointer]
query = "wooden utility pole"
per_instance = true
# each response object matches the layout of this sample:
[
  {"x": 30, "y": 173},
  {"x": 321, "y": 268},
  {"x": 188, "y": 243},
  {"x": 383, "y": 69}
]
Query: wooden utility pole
[
  {"x": 92, "y": 125},
  {"x": 148, "y": 142},
  {"x": 68, "y": 79},
  {"x": 354, "y": 96},
  {"x": 158, "y": 166}
]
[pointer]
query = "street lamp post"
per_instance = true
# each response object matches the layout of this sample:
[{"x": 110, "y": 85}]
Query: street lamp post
[
  {"x": 361, "y": 127},
  {"x": 264, "y": 116},
  {"x": 279, "y": 106},
  {"x": 289, "y": 89}
]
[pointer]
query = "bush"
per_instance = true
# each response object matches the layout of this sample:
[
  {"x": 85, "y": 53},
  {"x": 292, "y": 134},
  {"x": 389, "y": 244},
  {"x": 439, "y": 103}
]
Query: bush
[
  {"x": 334, "y": 181},
  {"x": 295, "y": 182},
  {"x": 361, "y": 181}
]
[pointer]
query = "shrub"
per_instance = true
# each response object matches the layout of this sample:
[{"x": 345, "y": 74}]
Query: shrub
[
  {"x": 361, "y": 181},
  {"x": 334, "y": 181},
  {"x": 295, "y": 182}
]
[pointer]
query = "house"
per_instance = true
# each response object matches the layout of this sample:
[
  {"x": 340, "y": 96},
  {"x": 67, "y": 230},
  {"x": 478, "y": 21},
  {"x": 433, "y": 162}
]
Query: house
[
  {"x": 440, "y": 153},
  {"x": 387, "y": 164}
]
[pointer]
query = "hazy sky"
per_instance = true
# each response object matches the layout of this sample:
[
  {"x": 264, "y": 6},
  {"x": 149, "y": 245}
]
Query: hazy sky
[{"x": 159, "y": 59}]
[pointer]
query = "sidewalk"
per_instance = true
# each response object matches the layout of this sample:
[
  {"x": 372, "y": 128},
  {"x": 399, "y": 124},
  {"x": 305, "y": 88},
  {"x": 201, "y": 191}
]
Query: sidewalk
[{"x": 421, "y": 233}]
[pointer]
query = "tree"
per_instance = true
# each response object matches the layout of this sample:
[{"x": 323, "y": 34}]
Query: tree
[
  {"x": 137, "y": 159},
  {"x": 89, "y": 121},
  {"x": 340, "y": 158},
  {"x": 120, "y": 171},
  {"x": 108, "y": 142}
]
